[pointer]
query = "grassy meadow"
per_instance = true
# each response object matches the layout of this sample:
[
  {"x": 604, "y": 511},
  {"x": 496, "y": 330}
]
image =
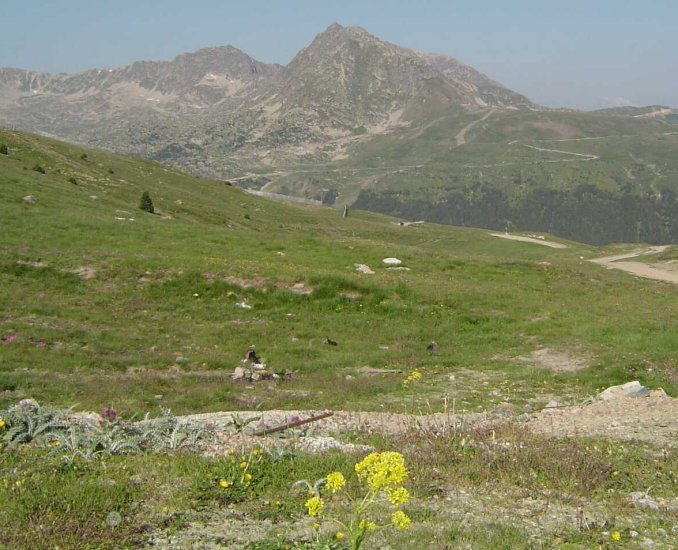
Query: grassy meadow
[{"x": 105, "y": 305}]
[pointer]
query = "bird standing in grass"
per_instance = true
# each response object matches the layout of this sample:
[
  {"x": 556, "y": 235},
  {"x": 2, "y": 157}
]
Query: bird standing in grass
[{"x": 432, "y": 346}]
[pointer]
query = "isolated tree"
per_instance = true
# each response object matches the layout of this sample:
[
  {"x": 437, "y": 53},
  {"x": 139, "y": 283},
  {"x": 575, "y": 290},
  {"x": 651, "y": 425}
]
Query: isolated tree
[{"x": 146, "y": 204}]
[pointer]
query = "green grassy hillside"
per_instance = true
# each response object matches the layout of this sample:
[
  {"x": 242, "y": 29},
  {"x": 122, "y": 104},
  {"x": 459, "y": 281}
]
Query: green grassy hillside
[
  {"x": 104, "y": 304},
  {"x": 595, "y": 178}
]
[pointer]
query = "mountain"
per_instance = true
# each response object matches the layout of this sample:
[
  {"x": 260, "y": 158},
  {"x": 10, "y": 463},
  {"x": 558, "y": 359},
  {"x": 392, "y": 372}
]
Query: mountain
[
  {"x": 208, "y": 104},
  {"x": 354, "y": 120}
]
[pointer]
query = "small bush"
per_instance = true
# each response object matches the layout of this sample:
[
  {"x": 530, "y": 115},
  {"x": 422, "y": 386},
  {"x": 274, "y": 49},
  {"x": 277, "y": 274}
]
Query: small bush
[
  {"x": 73, "y": 180},
  {"x": 110, "y": 171},
  {"x": 38, "y": 168},
  {"x": 3, "y": 150},
  {"x": 146, "y": 204},
  {"x": 83, "y": 156}
]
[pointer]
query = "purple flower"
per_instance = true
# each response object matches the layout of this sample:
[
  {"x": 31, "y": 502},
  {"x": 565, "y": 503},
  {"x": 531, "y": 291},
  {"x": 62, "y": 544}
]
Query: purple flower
[{"x": 109, "y": 413}]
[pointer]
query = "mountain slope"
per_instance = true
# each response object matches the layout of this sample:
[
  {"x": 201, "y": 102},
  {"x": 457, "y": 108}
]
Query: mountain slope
[
  {"x": 356, "y": 120},
  {"x": 218, "y": 103}
]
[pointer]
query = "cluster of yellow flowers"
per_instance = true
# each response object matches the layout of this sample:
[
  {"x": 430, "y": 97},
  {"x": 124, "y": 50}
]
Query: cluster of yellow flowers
[
  {"x": 2, "y": 423},
  {"x": 245, "y": 463},
  {"x": 315, "y": 506},
  {"x": 382, "y": 470},
  {"x": 414, "y": 376},
  {"x": 382, "y": 474}
]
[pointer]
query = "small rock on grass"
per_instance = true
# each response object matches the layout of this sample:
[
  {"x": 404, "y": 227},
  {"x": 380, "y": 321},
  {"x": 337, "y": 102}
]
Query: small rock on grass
[{"x": 630, "y": 389}]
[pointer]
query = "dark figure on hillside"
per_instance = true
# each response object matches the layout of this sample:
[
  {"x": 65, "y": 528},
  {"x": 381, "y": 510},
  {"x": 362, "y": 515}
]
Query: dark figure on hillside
[
  {"x": 432, "y": 347},
  {"x": 252, "y": 356},
  {"x": 329, "y": 342}
]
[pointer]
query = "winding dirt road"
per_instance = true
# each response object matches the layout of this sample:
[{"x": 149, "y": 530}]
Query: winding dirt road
[
  {"x": 461, "y": 136},
  {"x": 534, "y": 240},
  {"x": 658, "y": 272}
]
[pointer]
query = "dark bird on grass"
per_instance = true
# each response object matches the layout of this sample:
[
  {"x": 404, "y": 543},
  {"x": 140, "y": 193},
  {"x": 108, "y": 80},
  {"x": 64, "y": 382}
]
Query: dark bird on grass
[
  {"x": 432, "y": 346},
  {"x": 329, "y": 342},
  {"x": 252, "y": 356}
]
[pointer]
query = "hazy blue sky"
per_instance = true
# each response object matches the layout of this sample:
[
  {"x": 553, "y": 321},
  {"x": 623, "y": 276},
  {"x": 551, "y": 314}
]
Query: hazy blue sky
[{"x": 573, "y": 53}]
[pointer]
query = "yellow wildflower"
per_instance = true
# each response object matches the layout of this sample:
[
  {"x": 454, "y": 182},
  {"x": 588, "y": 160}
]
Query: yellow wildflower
[
  {"x": 5, "y": 483},
  {"x": 2, "y": 423},
  {"x": 339, "y": 535},
  {"x": 380, "y": 470},
  {"x": 225, "y": 483},
  {"x": 366, "y": 525},
  {"x": 315, "y": 506},
  {"x": 397, "y": 495},
  {"x": 248, "y": 477},
  {"x": 400, "y": 520},
  {"x": 615, "y": 536},
  {"x": 335, "y": 481},
  {"x": 243, "y": 464},
  {"x": 316, "y": 526}
]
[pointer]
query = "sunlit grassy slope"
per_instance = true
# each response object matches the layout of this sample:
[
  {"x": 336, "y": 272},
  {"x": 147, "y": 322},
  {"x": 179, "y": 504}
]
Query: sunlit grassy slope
[{"x": 104, "y": 304}]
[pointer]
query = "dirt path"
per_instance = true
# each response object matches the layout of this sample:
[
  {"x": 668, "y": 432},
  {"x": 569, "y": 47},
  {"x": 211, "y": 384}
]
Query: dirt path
[
  {"x": 584, "y": 155},
  {"x": 651, "y": 419},
  {"x": 658, "y": 272},
  {"x": 461, "y": 136},
  {"x": 534, "y": 240}
]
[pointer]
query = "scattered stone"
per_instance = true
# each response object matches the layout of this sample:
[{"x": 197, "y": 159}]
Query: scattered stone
[
  {"x": 643, "y": 500},
  {"x": 401, "y": 268},
  {"x": 159, "y": 396},
  {"x": 348, "y": 378},
  {"x": 239, "y": 373},
  {"x": 392, "y": 261},
  {"x": 301, "y": 289},
  {"x": 553, "y": 404},
  {"x": 30, "y": 199},
  {"x": 243, "y": 305},
  {"x": 9, "y": 339},
  {"x": 661, "y": 532},
  {"x": 323, "y": 444},
  {"x": 633, "y": 534},
  {"x": 370, "y": 370},
  {"x": 503, "y": 410},
  {"x": 153, "y": 349},
  {"x": 362, "y": 268},
  {"x": 630, "y": 389}
]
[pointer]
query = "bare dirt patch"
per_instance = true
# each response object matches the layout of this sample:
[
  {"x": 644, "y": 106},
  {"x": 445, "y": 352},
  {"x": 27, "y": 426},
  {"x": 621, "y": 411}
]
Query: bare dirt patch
[
  {"x": 534, "y": 240},
  {"x": 84, "y": 271},
  {"x": 557, "y": 361},
  {"x": 653, "y": 419}
]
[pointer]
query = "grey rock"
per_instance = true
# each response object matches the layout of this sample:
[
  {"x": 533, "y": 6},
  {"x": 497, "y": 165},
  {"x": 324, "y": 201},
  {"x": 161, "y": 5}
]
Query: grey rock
[
  {"x": 553, "y": 404},
  {"x": 30, "y": 199},
  {"x": 630, "y": 389}
]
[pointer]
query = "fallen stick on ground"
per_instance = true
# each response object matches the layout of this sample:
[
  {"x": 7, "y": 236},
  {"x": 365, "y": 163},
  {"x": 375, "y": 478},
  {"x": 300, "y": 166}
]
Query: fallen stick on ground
[{"x": 294, "y": 424}]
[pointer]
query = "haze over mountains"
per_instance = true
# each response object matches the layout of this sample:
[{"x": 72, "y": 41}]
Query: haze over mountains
[
  {"x": 345, "y": 81},
  {"x": 353, "y": 118}
]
